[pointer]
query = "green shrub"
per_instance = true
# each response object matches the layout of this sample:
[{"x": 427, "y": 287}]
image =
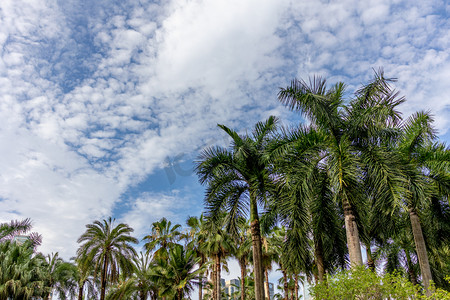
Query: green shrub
[{"x": 364, "y": 284}]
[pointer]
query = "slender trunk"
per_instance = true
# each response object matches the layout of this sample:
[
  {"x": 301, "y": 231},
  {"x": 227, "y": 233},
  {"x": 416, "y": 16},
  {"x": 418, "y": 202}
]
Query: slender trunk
[
  {"x": 354, "y": 248},
  {"x": 318, "y": 252},
  {"x": 285, "y": 285},
  {"x": 412, "y": 273},
  {"x": 243, "y": 265},
  {"x": 266, "y": 289},
  {"x": 257, "y": 250},
  {"x": 142, "y": 295},
  {"x": 370, "y": 261},
  {"x": 104, "y": 272},
  {"x": 421, "y": 250},
  {"x": 179, "y": 294},
  {"x": 296, "y": 287},
  {"x": 200, "y": 284},
  {"x": 213, "y": 279},
  {"x": 219, "y": 289},
  {"x": 80, "y": 290}
]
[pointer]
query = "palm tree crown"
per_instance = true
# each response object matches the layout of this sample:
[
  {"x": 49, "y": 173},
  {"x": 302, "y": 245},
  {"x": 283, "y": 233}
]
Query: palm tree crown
[{"x": 109, "y": 248}]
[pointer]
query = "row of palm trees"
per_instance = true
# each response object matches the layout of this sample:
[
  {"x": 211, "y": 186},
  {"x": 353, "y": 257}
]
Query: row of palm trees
[
  {"x": 356, "y": 165},
  {"x": 305, "y": 197}
]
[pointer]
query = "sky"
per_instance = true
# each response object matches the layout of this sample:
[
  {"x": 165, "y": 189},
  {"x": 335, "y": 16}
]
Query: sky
[{"x": 104, "y": 105}]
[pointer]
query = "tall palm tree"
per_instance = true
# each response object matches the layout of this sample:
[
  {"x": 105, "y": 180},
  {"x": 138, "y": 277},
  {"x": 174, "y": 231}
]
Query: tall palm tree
[
  {"x": 427, "y": 174},
  {"x": 238, "y": 180},
  {"x": 349, "y": 140},
  {"x": 109, "y": 248},
  {"x": 163, "y": 237}
]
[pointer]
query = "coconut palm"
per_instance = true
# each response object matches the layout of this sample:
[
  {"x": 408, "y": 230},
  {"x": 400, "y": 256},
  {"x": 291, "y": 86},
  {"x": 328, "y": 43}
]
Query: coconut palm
[
  {"x": 109, "y": 248},
  {"x": 349, "y": 141},
  {"x": 238, "y": 180}
]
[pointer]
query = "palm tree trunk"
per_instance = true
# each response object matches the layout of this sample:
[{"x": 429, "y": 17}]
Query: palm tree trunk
[
  {"x": 243, "y": 265},
  {"x": 179, "y": 294},
  {"x": 213, "y": 279},
  {"x": 80, "y": 290},
  {"x": 370, "y": 261},
  {"x": 105, "y": 269},
  {"x": 421, "y": 250},
  {"x": 142, "y": 295},
  {"x": 257, "y": 249},
  {"x": 200, "y": 284},
  {"x": 285, "y": 285},
  {"x": 318, "y": 252},
  {"x": 296, "y": 287},
  {"x": 412, "y": 273},
  {"x": 351, "y": 229},
  {"x": 218, "y": 290},
  {"x": 266, "y": 289}
]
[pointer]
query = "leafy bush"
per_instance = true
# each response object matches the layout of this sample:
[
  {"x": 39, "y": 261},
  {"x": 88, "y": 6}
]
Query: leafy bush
[{"x": 361, "y": 283}]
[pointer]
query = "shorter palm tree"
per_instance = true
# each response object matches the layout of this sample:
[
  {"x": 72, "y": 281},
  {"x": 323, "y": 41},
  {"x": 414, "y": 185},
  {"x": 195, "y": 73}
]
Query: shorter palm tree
[
  {"x": 163, "y": 237},
  {"x": 139, "y": 286},
  {"x": 177, "y": 275},
  {"x": 60, "y": 276},
  {"x": 109, "y": 248},
  {"x": 22, "y": 274}
]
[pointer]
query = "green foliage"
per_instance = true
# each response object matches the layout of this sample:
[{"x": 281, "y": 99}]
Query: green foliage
[
  {"x": 361, "y": 283},
  {"x": 21, "y": 271}
]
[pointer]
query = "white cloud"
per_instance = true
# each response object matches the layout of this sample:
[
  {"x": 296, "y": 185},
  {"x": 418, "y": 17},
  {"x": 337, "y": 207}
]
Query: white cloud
[
  {"x": 151, "y": 207},
  {"x": 93, "y": 99}
]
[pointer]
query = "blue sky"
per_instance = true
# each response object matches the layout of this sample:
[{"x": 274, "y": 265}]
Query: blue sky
[{"x": 104, "y": 104}]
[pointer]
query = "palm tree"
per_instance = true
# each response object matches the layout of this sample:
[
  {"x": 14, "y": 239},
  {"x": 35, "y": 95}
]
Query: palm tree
[
  {"x": 14, "y": 228},
  {"x": 163, "y": 237},
  {"x": 85, "y": 277},
  {"x": 199, "y": 234},
  {"x": 139, "y": 286},
  {"x": 109, "y": 248},
  {"x": 348, "y": 140},
  {"x": 59, "y": 276},
  {"x": 427, "y": 175},
  {"x": 22, "y": 274},
  {"x": 177, "y": 275},
  {"x": 242, "y": 252},
  {"x": 238, "y": 179},
  {"x": 218, "y": 244}
]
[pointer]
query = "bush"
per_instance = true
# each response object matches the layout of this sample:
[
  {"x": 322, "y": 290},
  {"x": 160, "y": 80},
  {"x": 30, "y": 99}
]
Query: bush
[{"x": 361, "y": 283}]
